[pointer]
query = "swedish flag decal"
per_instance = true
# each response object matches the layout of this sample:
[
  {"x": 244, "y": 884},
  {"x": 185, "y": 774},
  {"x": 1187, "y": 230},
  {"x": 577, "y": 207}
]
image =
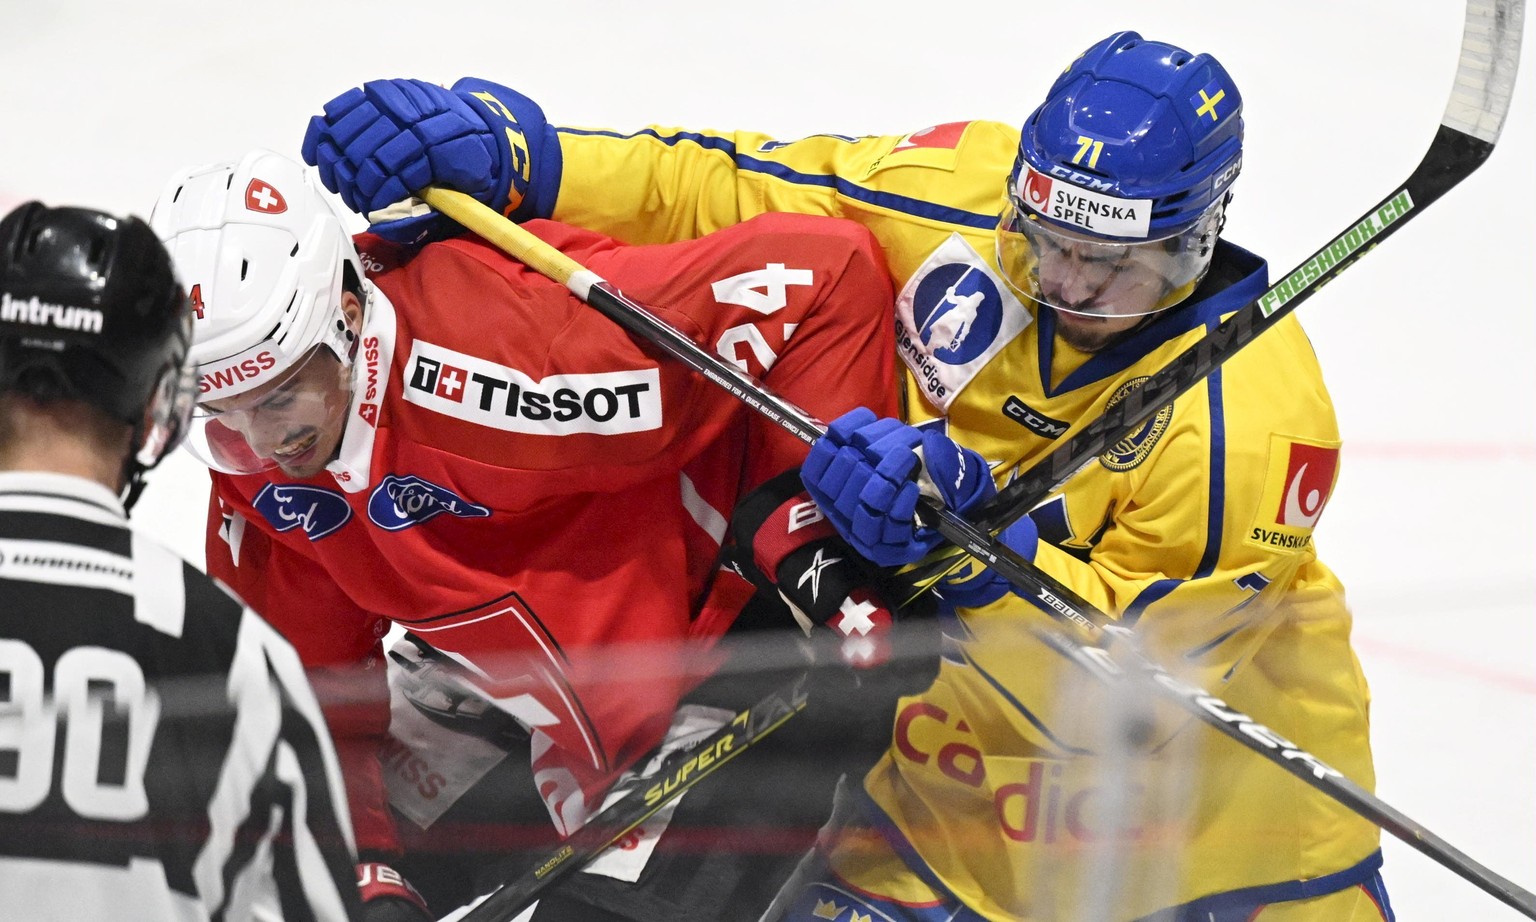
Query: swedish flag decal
[{"x": 1209, "y": 102}]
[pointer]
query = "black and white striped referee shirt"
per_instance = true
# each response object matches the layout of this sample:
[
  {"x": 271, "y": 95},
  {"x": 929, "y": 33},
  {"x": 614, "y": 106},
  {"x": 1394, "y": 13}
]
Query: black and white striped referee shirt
[{"x": 161, "y": 754}]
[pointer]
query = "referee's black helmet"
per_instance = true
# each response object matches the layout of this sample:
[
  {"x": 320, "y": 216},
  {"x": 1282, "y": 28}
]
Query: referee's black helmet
[{"x": 91, "y": 310}]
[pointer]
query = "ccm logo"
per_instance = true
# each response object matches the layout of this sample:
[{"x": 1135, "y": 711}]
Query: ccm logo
[{"x": 1038, "y": 423}]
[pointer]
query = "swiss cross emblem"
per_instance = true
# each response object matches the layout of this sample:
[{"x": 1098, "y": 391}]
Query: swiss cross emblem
[
  {"x": 450, "y": 383},
  {"x": 261, "y": 196}
]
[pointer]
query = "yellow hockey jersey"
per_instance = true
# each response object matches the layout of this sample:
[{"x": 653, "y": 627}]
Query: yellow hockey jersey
[{"x": 1197, "y": 529}]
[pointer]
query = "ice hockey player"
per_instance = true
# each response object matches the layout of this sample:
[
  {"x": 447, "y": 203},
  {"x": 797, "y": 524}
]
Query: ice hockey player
[
  {"x": 1041, "y": 275},
  {"x": 164, "y": 756},
  {"x": 455, "y": 444}
]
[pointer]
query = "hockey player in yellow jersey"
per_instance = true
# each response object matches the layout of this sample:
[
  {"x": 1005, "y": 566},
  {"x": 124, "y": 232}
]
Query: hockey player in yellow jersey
[{"x": 1043, "y": 274}]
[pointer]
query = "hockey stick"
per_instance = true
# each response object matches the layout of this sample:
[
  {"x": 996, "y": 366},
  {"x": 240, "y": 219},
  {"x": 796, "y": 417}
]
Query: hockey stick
[
  {"x": 1046, "y": 592},
  {"x": 678, "y": 773},
  {"x": 1485, "y": 76}
]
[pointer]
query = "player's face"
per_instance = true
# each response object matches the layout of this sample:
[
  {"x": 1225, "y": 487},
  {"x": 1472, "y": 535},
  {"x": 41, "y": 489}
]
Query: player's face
[
  {"x": 1097, "y": 291},
  {"x": 1087, "y": 333},
  {"x": 295, "y": 422},
  {"x": 1100, "y": 287}
]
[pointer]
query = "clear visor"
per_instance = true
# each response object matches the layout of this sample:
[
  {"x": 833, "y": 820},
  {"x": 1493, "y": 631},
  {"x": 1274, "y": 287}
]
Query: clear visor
[
  {"x": 294, "y": 422},
  {"x": 169, "y": 414},
  {"x": 1093, "y": 277}
]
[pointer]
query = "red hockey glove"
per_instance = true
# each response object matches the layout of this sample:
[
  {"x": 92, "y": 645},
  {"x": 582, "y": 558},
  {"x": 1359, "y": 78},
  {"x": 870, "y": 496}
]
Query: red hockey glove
[
  {"x": 779, "y": 530},
  {"x": 388, "y": 897}
]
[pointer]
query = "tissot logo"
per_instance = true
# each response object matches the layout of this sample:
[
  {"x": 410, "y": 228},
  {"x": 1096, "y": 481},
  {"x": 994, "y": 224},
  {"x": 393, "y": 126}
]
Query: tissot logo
[
  {"x": 433, "y": 377},
  {"x": 1038, "y": 423},
  {"x": 488, "y": 394}
]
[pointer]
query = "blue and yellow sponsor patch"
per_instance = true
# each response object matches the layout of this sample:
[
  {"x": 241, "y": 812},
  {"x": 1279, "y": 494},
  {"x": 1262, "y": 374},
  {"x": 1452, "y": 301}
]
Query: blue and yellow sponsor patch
[{"x": 953, "y": 316}]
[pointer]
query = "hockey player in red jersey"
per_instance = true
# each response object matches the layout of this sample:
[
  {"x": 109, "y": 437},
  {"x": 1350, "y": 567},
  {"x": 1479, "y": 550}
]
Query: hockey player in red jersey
[{"x": 447, "y": 441}]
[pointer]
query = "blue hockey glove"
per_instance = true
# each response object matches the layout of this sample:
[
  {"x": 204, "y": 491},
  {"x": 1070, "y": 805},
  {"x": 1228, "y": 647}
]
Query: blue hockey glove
[
  {"x": 864, "y": 474},
  {"x": 972, "y": 584},
  {"x": 377, "y": 145}
]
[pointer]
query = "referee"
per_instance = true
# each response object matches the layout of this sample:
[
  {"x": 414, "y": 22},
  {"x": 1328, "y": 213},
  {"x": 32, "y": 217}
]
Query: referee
[{"x": 161, "y": 753}]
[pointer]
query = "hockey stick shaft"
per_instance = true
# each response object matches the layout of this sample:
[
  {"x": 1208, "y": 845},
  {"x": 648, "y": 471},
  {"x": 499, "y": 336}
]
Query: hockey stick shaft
[
  {"x": 678, "y": 773},
  {"x": 1469, "y": 129},
  {"x": 1045, "y": 591},
  {"x": 613, "y": 304}
]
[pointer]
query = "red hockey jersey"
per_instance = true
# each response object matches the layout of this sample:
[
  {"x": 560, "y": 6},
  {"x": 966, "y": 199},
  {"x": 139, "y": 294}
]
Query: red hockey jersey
[{"x": 539, "y": 496}]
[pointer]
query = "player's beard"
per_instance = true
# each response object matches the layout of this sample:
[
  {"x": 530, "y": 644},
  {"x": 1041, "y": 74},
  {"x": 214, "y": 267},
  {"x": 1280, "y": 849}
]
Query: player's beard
[
  {"x": 1092, "y": 334},
  {"x": 313, "y": 459}
]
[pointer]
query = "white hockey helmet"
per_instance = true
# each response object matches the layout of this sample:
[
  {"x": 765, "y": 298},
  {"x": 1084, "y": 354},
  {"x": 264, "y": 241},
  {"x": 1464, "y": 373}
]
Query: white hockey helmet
[{"x": 262, "y": 249}]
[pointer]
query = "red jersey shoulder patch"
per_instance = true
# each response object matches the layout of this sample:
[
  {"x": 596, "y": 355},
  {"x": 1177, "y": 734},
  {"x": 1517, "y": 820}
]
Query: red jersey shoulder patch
[{"x": 945, "y": 137}]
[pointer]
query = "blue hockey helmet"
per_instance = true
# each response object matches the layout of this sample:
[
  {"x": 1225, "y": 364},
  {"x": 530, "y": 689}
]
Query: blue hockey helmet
[
  {"x": 1136, "y": 142},
  {"x": 1133, "y": 119}
]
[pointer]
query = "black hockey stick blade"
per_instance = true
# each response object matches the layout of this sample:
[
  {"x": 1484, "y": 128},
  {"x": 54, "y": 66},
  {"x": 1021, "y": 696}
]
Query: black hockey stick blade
[
  {"x": 678, "y": 773},
  {"x": 1473, "y": 120}
]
